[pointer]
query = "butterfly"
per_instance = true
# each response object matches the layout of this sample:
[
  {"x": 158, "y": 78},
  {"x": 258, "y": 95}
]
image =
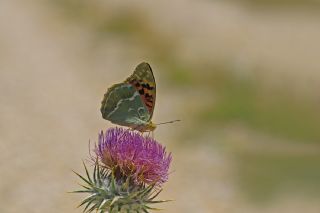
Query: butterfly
[{"x": 132, "y": 102}]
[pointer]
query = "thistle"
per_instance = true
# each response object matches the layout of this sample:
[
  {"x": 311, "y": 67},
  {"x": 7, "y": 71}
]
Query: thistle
[
  {"x": 128, "y": 174},
  {"x": 129, "y": 154}
]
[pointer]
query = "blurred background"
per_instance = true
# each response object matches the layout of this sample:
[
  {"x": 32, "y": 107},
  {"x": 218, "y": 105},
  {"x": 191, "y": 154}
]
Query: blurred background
[{"x": 242, "y": 75}]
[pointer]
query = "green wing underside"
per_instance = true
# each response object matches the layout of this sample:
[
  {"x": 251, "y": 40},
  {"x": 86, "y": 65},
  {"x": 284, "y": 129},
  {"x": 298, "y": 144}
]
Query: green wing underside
[{"x": 123, "y": 105}]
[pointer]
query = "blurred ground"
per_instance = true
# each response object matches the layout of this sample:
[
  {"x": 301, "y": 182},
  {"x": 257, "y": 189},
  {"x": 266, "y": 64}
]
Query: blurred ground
[{"x": 243, "y": 76}]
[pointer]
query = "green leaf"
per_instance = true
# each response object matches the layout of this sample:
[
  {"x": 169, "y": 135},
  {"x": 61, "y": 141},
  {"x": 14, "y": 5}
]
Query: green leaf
[
  {"x": 113, "y": 184},
  {"x": 104, "y": 204},
  {"x": 88, "y": 199},
  {"x": 115, "y": 199},
  {"x": 144, "y": 210},
  {"x": 86, "y": 187},
  {"x": 146, "y": 191},
  {"x": 82, "y": 191},
  {"x": 155, "y": 209},
  {"x": 99, "y": 175},
  {"x": 94, "y": 173},
  {"x": 159, "y": 201},
  {"x": 87, "y": 206},
  {"x": 154, "y": 196},
  {"x": 85, "y": 167},
  {"x": 85, "y": 180},
  {"x": 93, "y": 208}
]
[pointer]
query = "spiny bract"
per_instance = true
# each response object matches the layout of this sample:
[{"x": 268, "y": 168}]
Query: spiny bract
[{"x": 106, "y": 194}]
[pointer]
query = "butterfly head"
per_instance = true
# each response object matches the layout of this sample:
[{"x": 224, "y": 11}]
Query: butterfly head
[
  {"x": 151, "y": 126},
  {"x": 148, "y": 127}
]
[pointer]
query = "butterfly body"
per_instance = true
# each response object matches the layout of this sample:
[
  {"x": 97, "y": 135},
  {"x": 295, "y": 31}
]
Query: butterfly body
[{"x": 131, "y": 103}]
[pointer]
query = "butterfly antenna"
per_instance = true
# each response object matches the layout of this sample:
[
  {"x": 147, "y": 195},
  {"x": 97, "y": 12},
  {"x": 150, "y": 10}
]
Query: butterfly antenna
[{"x": 168, "y": 122}]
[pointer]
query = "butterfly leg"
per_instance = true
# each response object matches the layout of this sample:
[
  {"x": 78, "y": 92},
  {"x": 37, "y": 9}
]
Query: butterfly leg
[{"x": 148, "y": 134}]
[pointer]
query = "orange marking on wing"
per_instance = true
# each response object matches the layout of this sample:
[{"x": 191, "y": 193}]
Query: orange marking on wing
[{"x": 144, "y": 91}]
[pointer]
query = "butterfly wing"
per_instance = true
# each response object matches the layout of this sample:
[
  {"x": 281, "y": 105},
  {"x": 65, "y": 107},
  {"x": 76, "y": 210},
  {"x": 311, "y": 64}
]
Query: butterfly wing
[
  {"x": 144, "y": 82},
  {"x": 123, "y": 105}
]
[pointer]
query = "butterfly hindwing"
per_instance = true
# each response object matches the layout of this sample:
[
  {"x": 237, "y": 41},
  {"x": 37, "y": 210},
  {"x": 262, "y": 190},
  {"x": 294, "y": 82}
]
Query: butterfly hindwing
[
  {"x": 143, "y": 81},
  {"x": 122, "y": 104}
]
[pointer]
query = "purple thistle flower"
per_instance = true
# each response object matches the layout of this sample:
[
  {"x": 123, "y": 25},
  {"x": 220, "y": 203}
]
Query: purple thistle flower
[{"x": 141, "y": 158}]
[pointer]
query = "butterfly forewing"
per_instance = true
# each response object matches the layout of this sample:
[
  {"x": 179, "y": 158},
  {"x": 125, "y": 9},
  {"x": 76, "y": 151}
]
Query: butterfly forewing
[{"x": 144, "y": 82}]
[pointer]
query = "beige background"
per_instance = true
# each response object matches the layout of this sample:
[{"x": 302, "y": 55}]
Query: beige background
[{"x": 55, "y": 66}]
